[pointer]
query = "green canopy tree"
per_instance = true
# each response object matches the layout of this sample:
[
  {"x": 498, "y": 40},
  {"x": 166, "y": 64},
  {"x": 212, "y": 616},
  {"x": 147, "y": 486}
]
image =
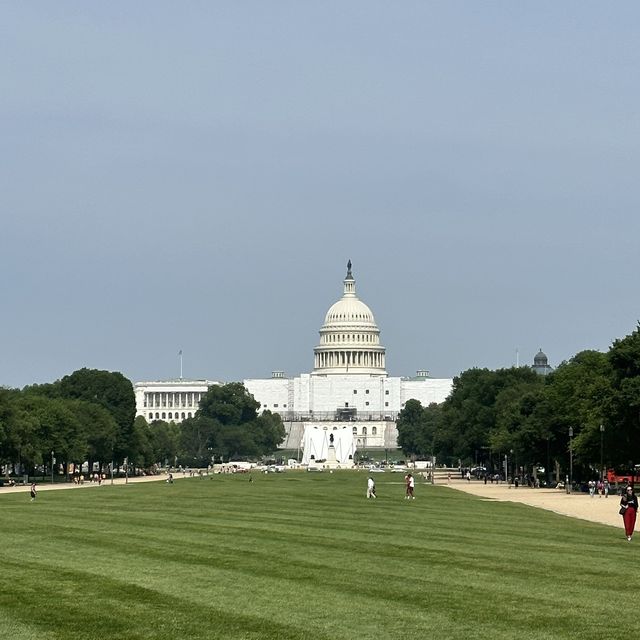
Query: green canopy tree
[
  {"x": 267, "y": 432},
  {"x": 622, "y": 436},
  {"x": 8, "y": 425},
  {"x": 53, "y": 426},
  {"x": 419, "y": 431},
  {"x": 411, "y": 426},
  {"x": 165, "y": 441},
  {"x": 199, "y": 440},
  {"x": 139, "y": 445},
  {"x": 578, "y": 393},
  {"x": 114, "y": 392},
  {"x": 100, "y": 429},
  {"x": 229, "y": 404},
  {"x": 469, "y": 413},
  {"x": 518, "y": 430},
  {"x": 110, "y": 390},
  {"x": 227, "y": 423}
]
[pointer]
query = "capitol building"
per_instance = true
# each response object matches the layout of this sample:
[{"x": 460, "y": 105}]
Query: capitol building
[{"x": 346, "y": 403}]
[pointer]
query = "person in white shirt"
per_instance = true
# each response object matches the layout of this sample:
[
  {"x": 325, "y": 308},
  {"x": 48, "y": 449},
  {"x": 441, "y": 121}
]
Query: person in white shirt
[
  {"x": 371, "y": 488},
  {"x": 412, "y": 484}
]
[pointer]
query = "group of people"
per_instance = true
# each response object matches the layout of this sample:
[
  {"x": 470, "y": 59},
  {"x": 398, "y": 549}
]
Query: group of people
[
  {"x": 600, "y": 487},
  {"x": 409, "y": 482}
]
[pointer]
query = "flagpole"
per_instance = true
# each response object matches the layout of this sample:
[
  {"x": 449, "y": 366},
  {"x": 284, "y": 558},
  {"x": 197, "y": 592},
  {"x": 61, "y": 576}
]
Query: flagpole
[{"x": 180, "y": 354}]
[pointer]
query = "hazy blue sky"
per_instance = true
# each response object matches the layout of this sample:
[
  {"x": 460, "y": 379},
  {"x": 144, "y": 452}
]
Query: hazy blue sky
[{"x": 195, "y": 175}]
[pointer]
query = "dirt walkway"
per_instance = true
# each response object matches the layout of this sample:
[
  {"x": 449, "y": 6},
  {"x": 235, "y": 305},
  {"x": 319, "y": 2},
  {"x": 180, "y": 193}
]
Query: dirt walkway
[
  {"x": 43, "y": 486},
  {"x": 577, "y": 505}
]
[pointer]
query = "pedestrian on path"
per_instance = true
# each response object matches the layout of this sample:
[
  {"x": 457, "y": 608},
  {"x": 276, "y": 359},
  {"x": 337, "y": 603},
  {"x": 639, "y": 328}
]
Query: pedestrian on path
[{"x": 629, "y": 511}]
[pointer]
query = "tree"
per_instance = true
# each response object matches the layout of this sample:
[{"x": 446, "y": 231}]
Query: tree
[
  {"x": 267, "y": 431},
  {"x": 410, "y": 425},
  {"x": 164, "y": 438},
  {"x": 229, "y": 404},
  {"x": 51, "y": 426},
  {"x": 198, "y": 440},
  {"x": 469, "y": 413},
  {"x": 227, "y": 423},
  {"x": 578, "y": 393},
  {"x": 112, "y": 391},
  {"x": 100, "y": 430},
  {"x": 139, "y": 444},
  {"x": 623, "y": 411}
]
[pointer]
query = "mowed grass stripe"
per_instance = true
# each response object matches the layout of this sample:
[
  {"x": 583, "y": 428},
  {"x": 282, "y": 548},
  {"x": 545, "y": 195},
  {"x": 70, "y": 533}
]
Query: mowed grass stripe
[{"x": 302, "y": 556}]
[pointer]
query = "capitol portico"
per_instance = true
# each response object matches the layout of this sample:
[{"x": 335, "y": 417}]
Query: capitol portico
[
  {"x": 347, "y": 391},
  {"x": 170, "y": 400}
]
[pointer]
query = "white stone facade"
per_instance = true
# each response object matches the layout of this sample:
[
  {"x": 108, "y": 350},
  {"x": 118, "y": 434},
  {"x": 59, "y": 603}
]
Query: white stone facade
[
  {"x": 348, "y": 387},
  {"x": 349, "y": 383},
  {"x": 170, "y": 400},
  {"x": 352, "y": 397}
]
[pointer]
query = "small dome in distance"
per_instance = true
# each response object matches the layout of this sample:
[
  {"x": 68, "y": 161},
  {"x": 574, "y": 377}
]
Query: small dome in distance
[{"x": 541, "y": 359}]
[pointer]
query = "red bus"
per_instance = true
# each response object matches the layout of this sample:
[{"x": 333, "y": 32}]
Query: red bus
[{"x": 623, "y": 477}]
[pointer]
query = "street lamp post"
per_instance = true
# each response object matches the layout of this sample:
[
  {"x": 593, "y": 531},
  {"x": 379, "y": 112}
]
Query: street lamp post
[
  {"x": 52, "y": 463},
  {"x": 570, "y": 458},
  {"x": 601, "y": 453}
]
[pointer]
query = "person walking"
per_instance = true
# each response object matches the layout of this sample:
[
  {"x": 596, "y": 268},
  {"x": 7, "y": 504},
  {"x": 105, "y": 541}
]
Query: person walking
[
  {"x": 32, "y": 491},
  {"x": 629, "y": 511},
  {"x": 410, "y": 487},
  {"x": 371, "y": 488}
]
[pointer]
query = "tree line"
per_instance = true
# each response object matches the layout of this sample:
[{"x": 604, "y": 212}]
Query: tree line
[
  {"x": 584, "y": 415},
  {"x": 89, "y": 416}
]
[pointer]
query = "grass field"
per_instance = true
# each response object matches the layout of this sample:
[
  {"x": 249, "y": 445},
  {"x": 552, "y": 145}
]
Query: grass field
[{"x": 303, "y": 555}]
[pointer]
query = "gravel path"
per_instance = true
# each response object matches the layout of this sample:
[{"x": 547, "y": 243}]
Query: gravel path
[{"x": 576, "y": 505}]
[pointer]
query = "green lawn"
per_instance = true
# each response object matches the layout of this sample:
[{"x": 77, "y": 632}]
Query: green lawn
[{"x": 302, "y": 555}]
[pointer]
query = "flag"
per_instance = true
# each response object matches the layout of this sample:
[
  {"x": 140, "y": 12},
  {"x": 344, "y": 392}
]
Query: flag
[{"x": 180, "y": 352}]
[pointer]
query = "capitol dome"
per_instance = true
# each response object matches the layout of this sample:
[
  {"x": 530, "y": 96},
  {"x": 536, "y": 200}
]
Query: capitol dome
[
  {"x": 349, "y": 310},
  {"x": 349, "y": 337}
]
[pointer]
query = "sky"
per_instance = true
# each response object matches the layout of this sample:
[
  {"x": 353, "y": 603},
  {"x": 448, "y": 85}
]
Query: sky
[{"x": 195, "y": 175}]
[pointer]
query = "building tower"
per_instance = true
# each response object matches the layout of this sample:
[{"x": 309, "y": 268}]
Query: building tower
[
  {"x": 541, "y": 364},
  {"x": 349, "y": 337}
]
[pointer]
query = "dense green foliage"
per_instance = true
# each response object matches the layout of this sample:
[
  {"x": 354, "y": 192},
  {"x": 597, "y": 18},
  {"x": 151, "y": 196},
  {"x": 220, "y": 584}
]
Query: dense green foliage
[
  {"x": 518, "y": 413},
  {"x": 300, "y": 555},
  {"x": 80, "y": 418},
  {"x": 227, "y": 424},
  {"x": 89, "y": 416}
]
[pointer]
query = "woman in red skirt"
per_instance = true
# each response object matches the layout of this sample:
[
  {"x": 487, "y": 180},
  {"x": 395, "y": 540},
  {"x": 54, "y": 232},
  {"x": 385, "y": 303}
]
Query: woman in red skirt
[{"x": 629, "y": 510}]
